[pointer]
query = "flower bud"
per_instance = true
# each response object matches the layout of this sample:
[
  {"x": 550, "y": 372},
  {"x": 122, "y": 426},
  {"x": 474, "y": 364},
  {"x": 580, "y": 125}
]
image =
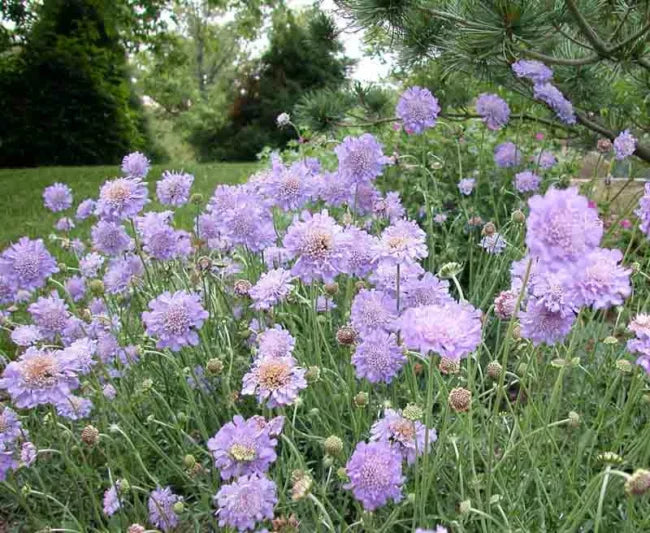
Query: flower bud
[
  {"x": 214, "y": 366},
  {"x": 413, "y": 412},
  {"x": 361, "y": 399},
  {"x": 328, "y": 461},
  {"x": 313, "y": 374},
  {"x": 638, "y": 483},
  {"x": 333, "y": 445},
  {"x": 179, "y": 507},
  {"x": 450, "y": 270},
  {"x": 360, "y": 284},
  {"x": 204, "y": 263},
  {"x": 574, "y": 419},
  {"x": 342, "y": 474},
  {"x": 465, "y": 506},
  {"x": 90, "y": 435},
  {"x": 196, "y": 198},
  {"x": 624, "y": 366},
  {"x": 610, "y": 458},
  {"x": 242, "y": 286},
  {"x": 460, "y": 399},
  {"x": 603, "y": 145},
  {"x": 136, "y": 528},
  {"x": 449, "y": 366},
  {"x": 302, "y": 483},
  {"x": 331, "y": 289},
  {"x": 489, "y": 229},
  {"x": 189, "y": 461},
  {"x": 494, "y": 369},
  {"x": 518, "y": 216}
]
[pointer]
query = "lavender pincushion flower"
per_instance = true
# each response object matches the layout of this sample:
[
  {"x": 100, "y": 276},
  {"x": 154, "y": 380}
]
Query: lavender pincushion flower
[
  {"x": 408, "y": 437},
  {"x": 545, "y": 160},
  {"x": 85, "y": 209},
  {"x": 375, "y": 473},
  {"x": 112, "y": 501},
  {"x": 161, "y": 508},
  {"x": 602, "y": 282},
  {"x": 272, "y": 288},
  {"x": 389, "y": 207},
  {"x": 425, "y": 290},
  {"x": 418, "y": 109},
  {"x": 335, "y": 189},
  {"x": 74, "y": 407},
  {"x": 64, "y": 224},
  {"x": 507, "y": 155},
  {"x": 26, "y": 335},
  {"x": 275, "y": 342},
  {"x": 643, "y": 211},
  {"x": 275, "y": 381},
  {"x": 493, "y": 110},
  {"x": 466, "y": 186},
  {"x": 241, "y": 448},
  {"x": 121, "y": 198},
  {"x": 76, "y": 288},
  {"x": 110, "y": 238},
  {"x": 315, "y": 240},
  {"x": 245, "y": 502},
  {"x": 358, "y": 251},
  {"x": 50, "y": 314},
  {"x": 450, "y": 329},
  {"x": 136, "y": 165},
  {"x": 493, "y": 244},
  {"x": 540, "y": 325},
  {"x": 402, "y": 242},
  {"x": 561, "y": 227},
  {"x": 39, "y": 377},
  {"x": 10, "y": 427},
  {"x": 385, "y": 275},
  {"x": 378, "y": 357},
  {"x": 90, "y": 264},
  {"x": 26, "y": 265},
  {"x": 624, "y": 145},
  {"x": 527, "y": 181},
  {"x": 174, "y": 188},
  {"x": 552, "y": 97},
  {"x": 122, "y": 273},
  {"x": 159, "y": 239},
  {"x": 289, "y": 187},
  {"x": 533, "y": 70},
  {"x": 555, "y": 289},
  {"x": 373, "y": 310},
  {"x": 57, "y": 197},
  {"x": 361, "y": 159},
  {"x": 174, "y": 319}
]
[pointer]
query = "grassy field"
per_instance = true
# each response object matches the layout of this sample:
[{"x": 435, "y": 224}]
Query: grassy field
[{"x": 21, "y": 204}]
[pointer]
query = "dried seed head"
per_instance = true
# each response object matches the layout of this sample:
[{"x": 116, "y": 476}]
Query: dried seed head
[
  {"x": 283, "y": 524},
  {"x": 449, "y": 366},
  {"x": 638, "y": 483},
  {"x": 361, "y": 399},
  {"x": 333, "y": 445},
  {"x": 460, "y": 399},
  {"x": 302, "y": 483},
  {"x": 214, "y": 366},
  {"x": 90, "y": 435},
  {"x": 494, "y": 369},
  {"x": 604, "y": 145},
  {"x": 331, "y": 289},
  {"x": 518, "y": 216},
  {"x": 413, "y": 412},
  {"x": 242, "y": 286},
  {"x": 346, "y": 335},
  {"x": 516, "y": 332},
  {"x": 204, "y": 264}
]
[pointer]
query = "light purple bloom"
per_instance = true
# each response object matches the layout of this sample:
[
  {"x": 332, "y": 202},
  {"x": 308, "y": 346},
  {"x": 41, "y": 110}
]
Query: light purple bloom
[
  {"x": 159, "y": 239},
  {"x": 7, "y": 291},
  {"x": 74, "y": 407},
  {"x": 161, "y": 508},
  {"x": 90, "y": 264},
  {"x": 535, "y": 71},
  {"x": 624, "y": 145},
  {"x": 527, "y": 181},
  {"x": 26, "y": 335},
  {"x": 493, "y": 110},
  {"x": 375, "y": 473},
  {"x": 76, "y": 288},
  {"x": 28, "y": 453},
  {"x": 378, "y": 358},
  {"x": 110, "y": 238},
  {"x": 136, "y": 165},
  {"x": 336, "y": 189},
  {"x": 384, "y": 277},
  {"x": 64, "y": 224},
  {"x": 364, "y": 198},
  {"x": 408, "y": 437},
  {"x": 603, "y": 282},
  {"x": 439, "y": 529},
  {"x": 275, "y": 381},
  {"x": 174, "y": 188},
  {"x": 418, "y": 109},
  {"x": 358, "y": 251},
  {"x": 361, "y": 159},
  {"x": 122, "y": 273},
  {"x": 450, "y": 329},
  {"x": 112, "y": 501},
  {"x": 85, "y": 209},
  {"x": 643, "y": 211},
  {"x": 390, "y": 207},
  {"x": 121, "y": 198},
  {"x": 373, "y": 310},
  {"x": 275, "y": 342},
  {"x": 556, "y": 290},
  {"x": 57, "y": 197},
  {"x": 288, "y": 187},
  {"x": 50, "y": 314},
  {"x": 109, "y": 391},
  {"x": 427, "y": 290},
  {"x": 552, "y": 97},
  {"x": 507, "y": 155},
  {"x": 10, "y": 427},
  {"x": 247, "y": 222},
  {"x": 174, "y": 319},
  {"x": 272, "y": 288},
  {"x": 493, "y": 244},
  {"x": 439, "y": 218},
  {"x": 27, "y": 264},
  {"x": 242, "y": 447},
  {"x": 545, "y": 160},
  {"x": 245, "y": 502},
  {"x": 402, "y": 242},
  {"x": 466, "y": 186},
  {"x": 540, "y": 325}
]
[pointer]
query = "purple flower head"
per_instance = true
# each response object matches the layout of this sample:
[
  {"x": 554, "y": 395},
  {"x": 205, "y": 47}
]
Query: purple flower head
[
  {"x": 325, "y": 304},
  {"x": 74, "y": 407},
  {"x": 39, "y": 377},
  {"x": 640, "y": 326},
  {"x": 493, "y": 110},
  {"x": 274, "y": 380},
  {"x": 109, "y": 392},
  {"x": 527, "y": 181},
  {"x": 7, "y": 291},
  {"x": 427, "y": 290},
  {"x": 450, "y": 329},
  {"x": 505, "y": 304},
  {"x": 561, "y": 227},
  {"x": 10, "y": 427},
  {"x": 28, "y": 453},
  {"x": 361, "y": 159},
  {"x": 315, "y": 240},
  {"x": 507, "y": 155},
  {"x": 373, "y": 310},
  {"x": 161, "y": 508},
  {"x": 389, "y": 207},
  {"x": 402, "y": 242},
  {"x": 64, "y": 224},
  {"x": 122, "y": 273},
  {"x": 90, "y": 264},
  {"x": 358, "y": 251},
  {"x": 384, "y": 277},
  {"x": 364, "y": 198},
  {"x": 174, "y": 318},
  {"x": 76, "y": 288},
  {"x": 535, "y": 71},
  {"x": 466, "y": 186},
  {"x": 552, "y": 97},
  {"x": 85, "y": 209},
  {"x": 555, "y": 290},
  {"x": 174, "y": 188},
  {"x": 241, "y": 448},
  {"x": 272, "y": 288},
  {"x": 440, "y": 218},
  {"x": 336, "y": 189},
  {"x": 248, "y": 223},
  {"x": 121, "y": 198},
  {"x": 418, "y": 109},
  {"x": 375, "y": 473},
  {"x": 493, "y": 244},
  {"x": 540, "y": 325},
  {"x": 245, "y": 502},
  {"x": 26, "y": 335},
  {"x": 603, "y": 282},
  {"x": 643, "y": 211},
  {"x": 110, "y": 238},
  {"x": 26, "y": 264},
  {"x": 545, "y": 160},
  {"x": 624, "y": 145},
  {"x": 57, "y": 197},
  {"x": 275, "y": 342},
  {"x": 159, "y": 239},
  {"x": 136, "y": 165},
  {"x": 289, "y": 187},
  {"x": 439, "y": 529},
  {"x": 112, "y": 501},
  {"x": 408, "y": 437},
  {"x": 50, "y": 314},
  {"x": 378, "y": 358}
]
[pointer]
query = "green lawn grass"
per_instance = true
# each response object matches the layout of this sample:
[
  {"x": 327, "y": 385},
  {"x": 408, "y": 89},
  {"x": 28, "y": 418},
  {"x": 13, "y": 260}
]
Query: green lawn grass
[{"x": 21, "y": 204}]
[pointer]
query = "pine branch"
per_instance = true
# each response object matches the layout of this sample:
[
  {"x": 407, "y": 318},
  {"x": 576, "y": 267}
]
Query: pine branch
[
  {"x": 631, "y": 39},
  {"x": 642, "y": 151},
  {"x": 551, "y": 60},
  {"x": 599, "y": 45}
]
